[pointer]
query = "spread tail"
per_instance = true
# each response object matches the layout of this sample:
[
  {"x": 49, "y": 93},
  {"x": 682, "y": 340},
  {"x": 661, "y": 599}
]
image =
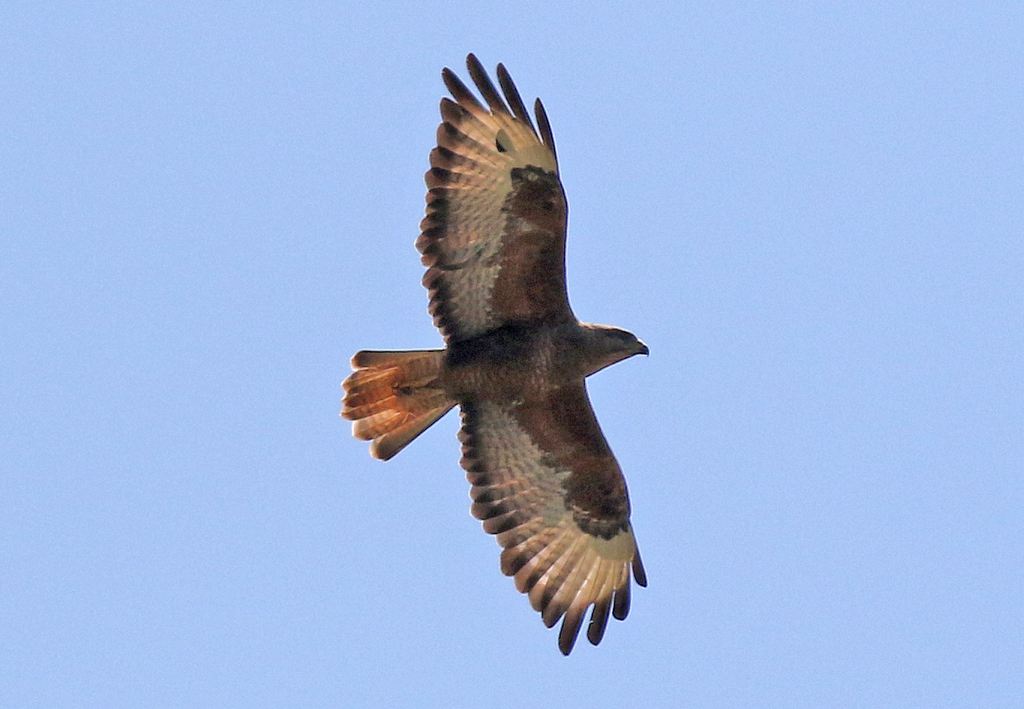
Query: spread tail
[{"x": 392, "y": 397}]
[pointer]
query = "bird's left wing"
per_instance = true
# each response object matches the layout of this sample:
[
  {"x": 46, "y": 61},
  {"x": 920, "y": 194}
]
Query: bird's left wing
[{"x": 546, "y": 483}]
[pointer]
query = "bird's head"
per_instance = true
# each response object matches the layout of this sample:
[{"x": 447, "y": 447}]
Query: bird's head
[{"x": 608, "y": 345}]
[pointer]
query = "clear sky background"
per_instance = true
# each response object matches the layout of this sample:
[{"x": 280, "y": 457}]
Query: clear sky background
[{"x": 812, "y": 213}]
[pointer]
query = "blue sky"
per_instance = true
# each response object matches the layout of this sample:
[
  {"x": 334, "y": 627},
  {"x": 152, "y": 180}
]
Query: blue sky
[{"x": 811, "y": 212}]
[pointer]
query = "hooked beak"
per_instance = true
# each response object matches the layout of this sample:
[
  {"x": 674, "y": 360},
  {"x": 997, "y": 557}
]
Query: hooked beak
[{"x": 644, "y": 350}]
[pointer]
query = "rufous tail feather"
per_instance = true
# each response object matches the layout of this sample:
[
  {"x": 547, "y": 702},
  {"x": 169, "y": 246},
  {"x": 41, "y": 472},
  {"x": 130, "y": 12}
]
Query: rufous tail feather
[{"x": 392, "y": 397}]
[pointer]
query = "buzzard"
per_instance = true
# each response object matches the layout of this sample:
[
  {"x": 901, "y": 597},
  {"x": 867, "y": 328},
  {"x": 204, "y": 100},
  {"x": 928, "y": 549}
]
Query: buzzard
[{"x": 544, "y": 480}]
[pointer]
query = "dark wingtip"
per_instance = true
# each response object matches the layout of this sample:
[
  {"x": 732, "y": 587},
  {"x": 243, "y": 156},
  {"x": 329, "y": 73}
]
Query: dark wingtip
[
  {"x": 569, "y": 632},
  {"x": 515, "y": 101},
  {"x": 546, "y": 136},
  {"x": 620, "y": 603},
  {"x": 598, "y": 621},
  {"x": 639, "y": 573},
  {"x": 483, "y": 82}
]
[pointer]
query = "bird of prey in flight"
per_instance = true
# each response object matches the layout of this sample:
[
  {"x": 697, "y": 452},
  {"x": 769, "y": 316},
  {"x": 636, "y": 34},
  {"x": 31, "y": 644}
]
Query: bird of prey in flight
[{"x": 543, "y": 477}]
